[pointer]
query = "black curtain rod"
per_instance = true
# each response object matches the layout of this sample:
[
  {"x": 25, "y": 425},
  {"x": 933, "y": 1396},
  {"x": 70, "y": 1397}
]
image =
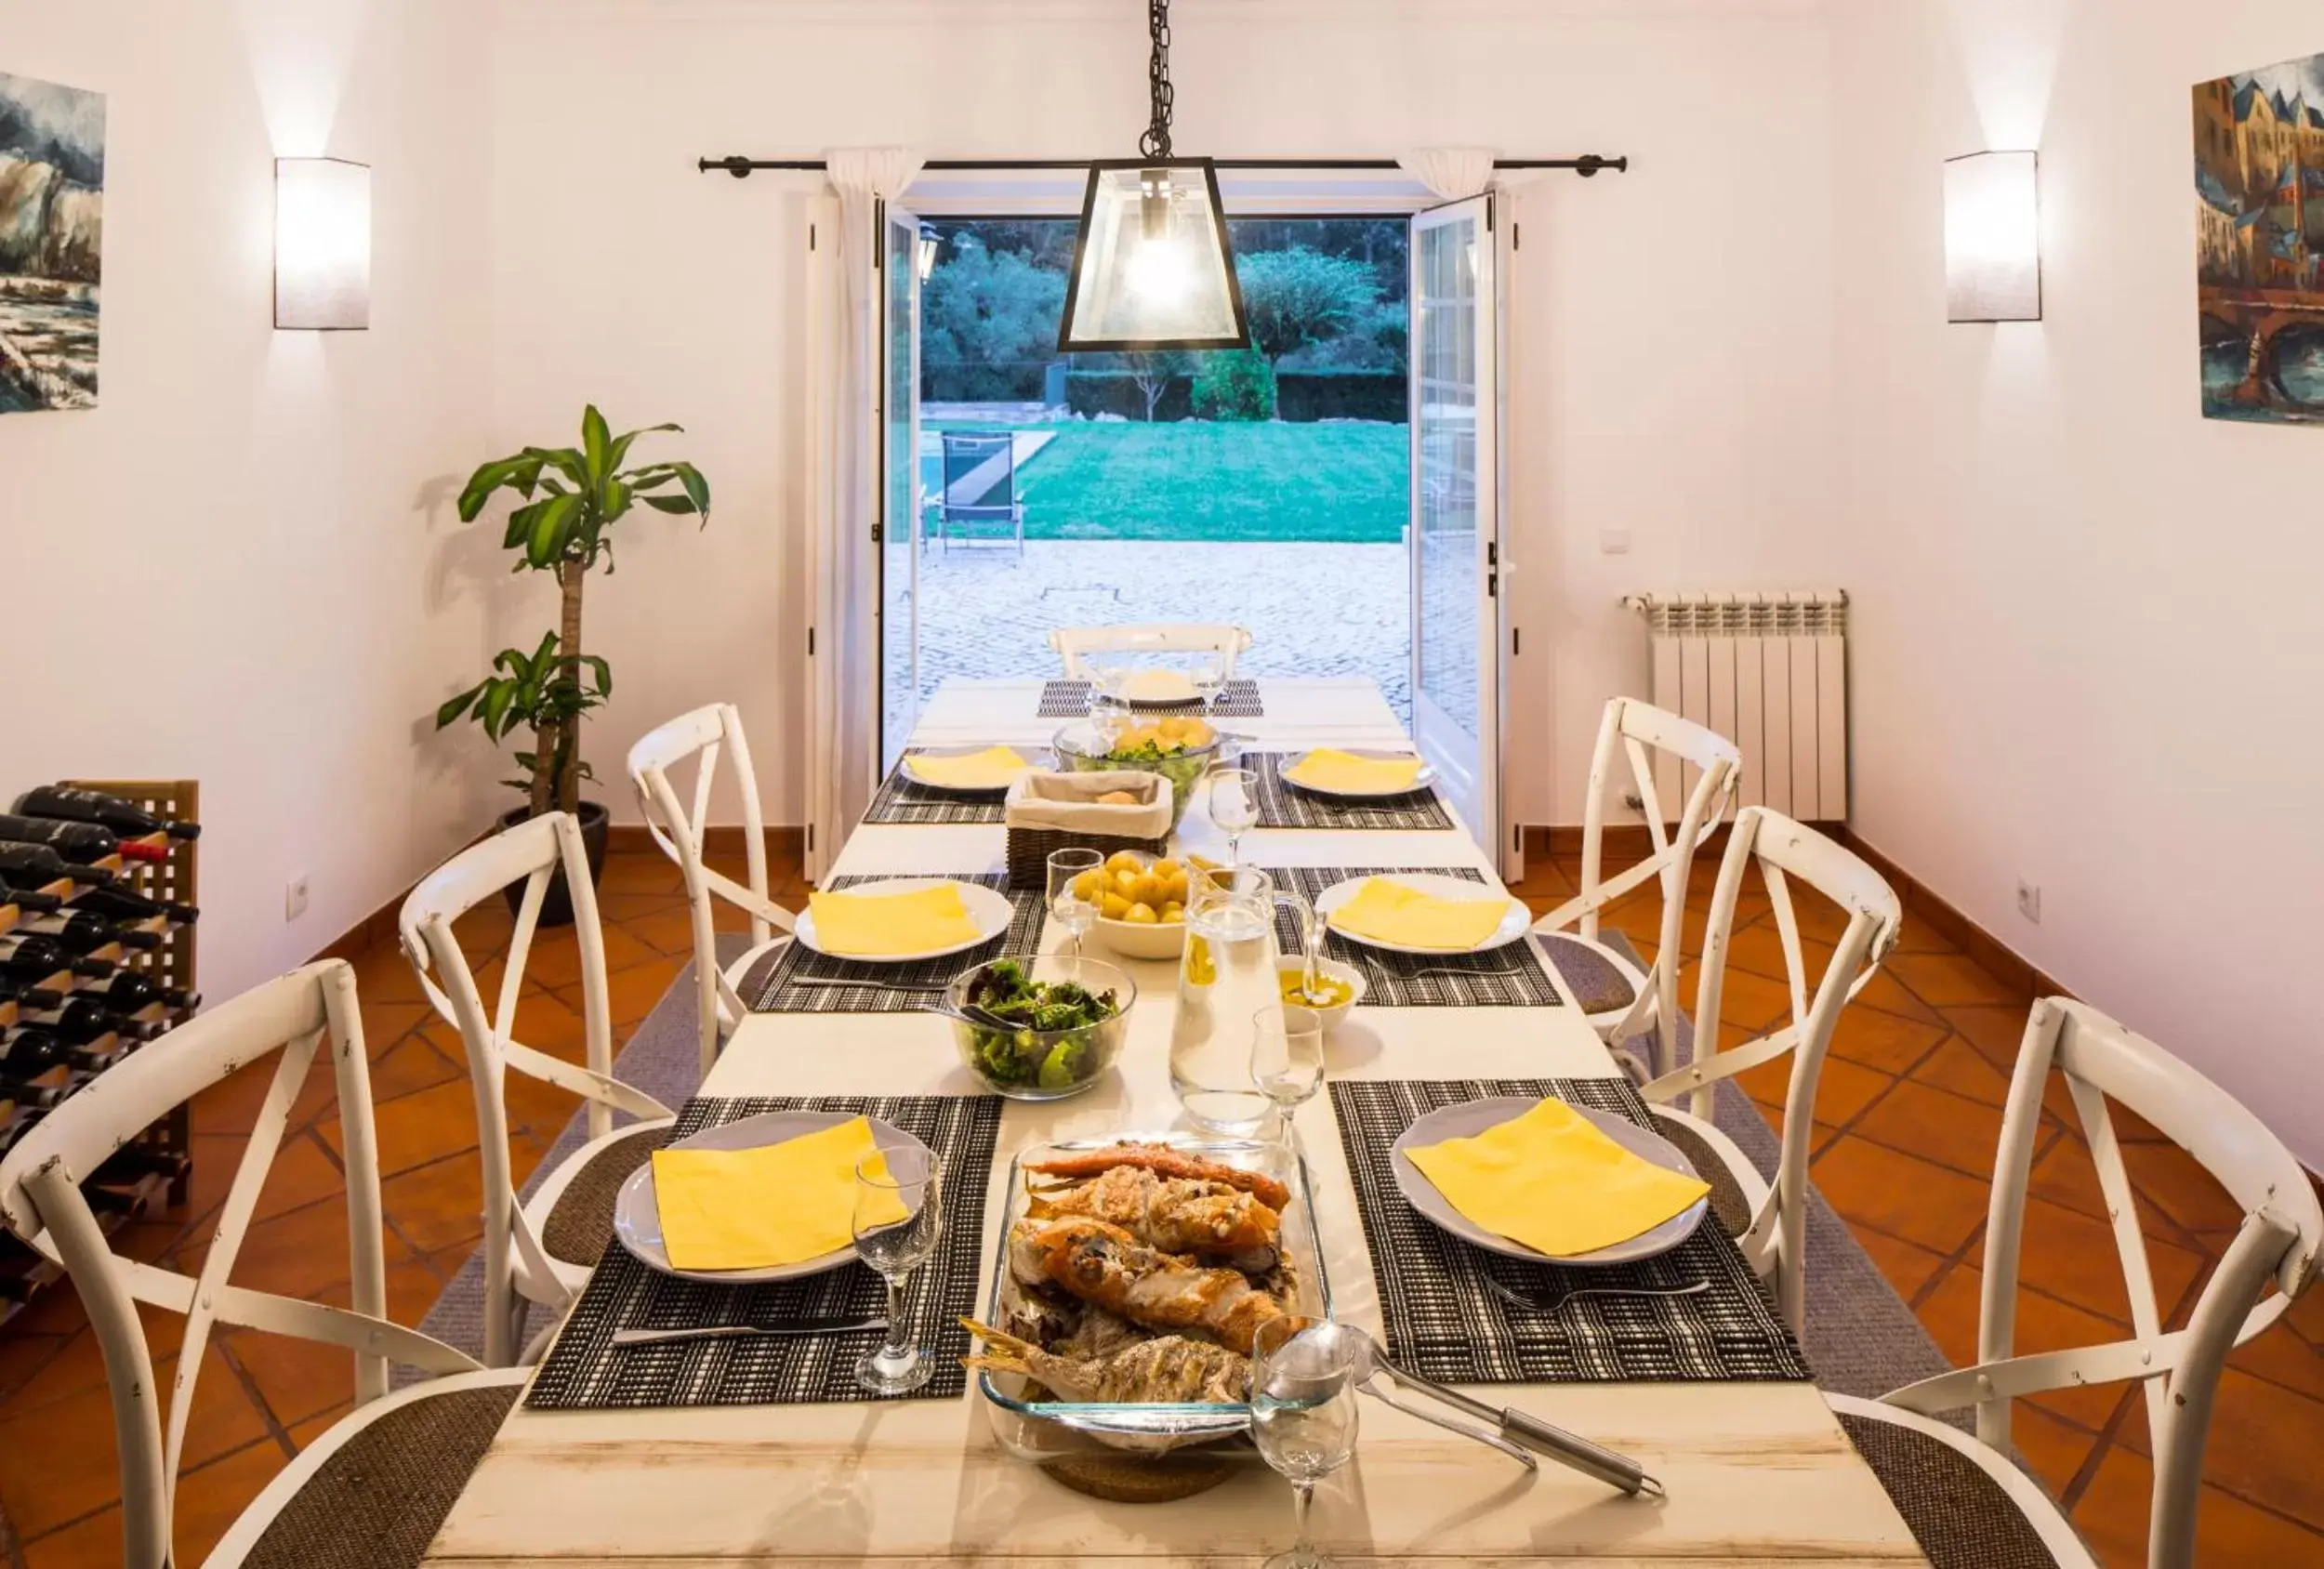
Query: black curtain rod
[{"x": 1585, "y": 166}]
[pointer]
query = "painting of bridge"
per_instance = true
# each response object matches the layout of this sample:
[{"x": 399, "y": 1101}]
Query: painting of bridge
[{"x": 52, "y": 200}]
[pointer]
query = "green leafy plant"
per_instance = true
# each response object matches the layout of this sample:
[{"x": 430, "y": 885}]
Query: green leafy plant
[
  {"x": 572, "y": 497},
  {"x": 1297, "y": 298},
  {"x": 1235, "y": 384}
]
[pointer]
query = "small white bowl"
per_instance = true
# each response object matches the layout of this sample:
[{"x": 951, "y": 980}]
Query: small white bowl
[
  {"x": 1331, "y": 970},
  {"x": 1138, "y": 939}
]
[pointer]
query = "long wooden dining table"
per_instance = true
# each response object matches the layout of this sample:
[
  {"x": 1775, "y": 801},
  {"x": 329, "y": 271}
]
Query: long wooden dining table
[{"x": 1755, "y": 1472}]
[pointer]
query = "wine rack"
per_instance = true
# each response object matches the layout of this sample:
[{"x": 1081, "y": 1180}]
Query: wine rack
[{"x": 156, "y": 1167}]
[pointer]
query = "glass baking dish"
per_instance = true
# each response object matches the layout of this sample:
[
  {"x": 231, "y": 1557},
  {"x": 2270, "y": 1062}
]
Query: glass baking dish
[{"x": 1039, "y": 1429}]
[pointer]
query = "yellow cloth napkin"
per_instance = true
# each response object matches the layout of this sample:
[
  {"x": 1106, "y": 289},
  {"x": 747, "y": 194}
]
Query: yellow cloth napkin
[
  {"x": 1392, "y": 911},
  {"x": 878, "y": 925},
  {"x": 778, "y": 1204},
  {"x": 996, "y": 768},
  {"x": 1327, "y": 768},
  {"x": 1550, "y": 1180}
]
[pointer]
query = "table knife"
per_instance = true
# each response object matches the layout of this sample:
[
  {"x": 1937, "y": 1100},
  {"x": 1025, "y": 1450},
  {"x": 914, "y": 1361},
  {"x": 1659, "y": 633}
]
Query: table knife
[{"x": 740, "y": 1331}]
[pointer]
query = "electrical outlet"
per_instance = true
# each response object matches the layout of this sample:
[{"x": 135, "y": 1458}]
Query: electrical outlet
[
  {"x": 1613, "y": 541},
  {"x": 294, "y": 897},
  {"x": 2029, "y": 901}
]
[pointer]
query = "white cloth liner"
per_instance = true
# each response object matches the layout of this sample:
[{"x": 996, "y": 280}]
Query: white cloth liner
[
  {"x": 1450, "y": 172},
  {"x": 1046, "y": 799},
  {"x": 846, "y": 497}
]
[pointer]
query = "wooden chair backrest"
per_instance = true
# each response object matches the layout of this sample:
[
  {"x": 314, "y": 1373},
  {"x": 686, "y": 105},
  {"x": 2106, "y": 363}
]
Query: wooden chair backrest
[
  {"x": 41, "y": 1199},
  {"x": 2178, "y": 1370}
]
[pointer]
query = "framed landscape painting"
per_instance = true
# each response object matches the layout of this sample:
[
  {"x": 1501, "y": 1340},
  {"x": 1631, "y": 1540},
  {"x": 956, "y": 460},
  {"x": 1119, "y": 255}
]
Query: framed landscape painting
[
  {"x": 52, "y": 211},
  {"x": 2259, "y": 205}
]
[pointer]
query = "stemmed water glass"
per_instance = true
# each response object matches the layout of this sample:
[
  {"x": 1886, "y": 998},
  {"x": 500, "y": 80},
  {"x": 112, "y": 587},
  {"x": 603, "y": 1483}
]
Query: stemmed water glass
[
  {"x": 1286, "y": 1059},
  {"x": 1209, "y": 678},
  {"x": 1068, "y": 905},
  {"x": 1303, "y": 1401},
  {"x": 1234, "y": 807},
  {"x": 899, "y": 1216}
]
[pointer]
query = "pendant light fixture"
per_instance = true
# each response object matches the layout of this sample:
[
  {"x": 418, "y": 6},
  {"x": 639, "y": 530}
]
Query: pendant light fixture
[{"x": 1152, "y": 267}]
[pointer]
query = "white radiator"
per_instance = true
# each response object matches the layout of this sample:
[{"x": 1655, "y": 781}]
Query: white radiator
[{"x": 1770, "y": 672}]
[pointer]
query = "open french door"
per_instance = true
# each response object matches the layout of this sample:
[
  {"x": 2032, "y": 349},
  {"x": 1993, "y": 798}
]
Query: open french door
[
  {"x": 899, "y": 508},
  {"x": 1458, "y": 632}
]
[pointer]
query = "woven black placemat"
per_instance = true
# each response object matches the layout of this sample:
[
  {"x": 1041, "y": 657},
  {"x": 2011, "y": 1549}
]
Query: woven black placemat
[
  {"x": 800, "y": 980},
  {"x": 1238, "y": 699},
  {"x": 584, "y": 1372},
  {"x": 1508, "y": 976},
  {"x": 901, "y": 801},
  {"x": 1445, "y": 1322},
  {"x": 1285, "y": 805}
]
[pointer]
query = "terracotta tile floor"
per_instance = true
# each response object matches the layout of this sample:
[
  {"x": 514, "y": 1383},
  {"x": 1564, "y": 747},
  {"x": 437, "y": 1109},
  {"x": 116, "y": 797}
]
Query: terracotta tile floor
[{"x": 1907, "y": 1122}]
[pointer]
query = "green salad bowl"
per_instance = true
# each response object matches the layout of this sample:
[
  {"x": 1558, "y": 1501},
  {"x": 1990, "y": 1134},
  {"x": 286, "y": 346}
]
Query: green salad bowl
[
  {"x": 1028, "y": 1063},
  {"x": 1123, "y": 741}
]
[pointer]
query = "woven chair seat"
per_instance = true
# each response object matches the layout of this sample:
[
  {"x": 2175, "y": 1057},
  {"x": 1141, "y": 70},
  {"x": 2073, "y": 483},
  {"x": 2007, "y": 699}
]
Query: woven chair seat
[
  {"x": 1728, "y": 1204},
  {"x": 1597, "y": 985},
  {"x": 379, "y": 1500},
  {"x": 581, "y": 1222},
  {"x": 1960, "y": 1515}
]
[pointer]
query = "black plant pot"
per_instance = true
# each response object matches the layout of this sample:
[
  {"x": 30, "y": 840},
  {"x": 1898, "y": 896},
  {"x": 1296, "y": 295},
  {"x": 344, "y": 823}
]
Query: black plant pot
[{"x": 556, "y": 903}]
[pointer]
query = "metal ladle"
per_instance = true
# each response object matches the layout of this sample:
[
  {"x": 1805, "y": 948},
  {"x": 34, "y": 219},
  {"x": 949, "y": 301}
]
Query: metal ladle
[{"x": 1513, "y": 1433}]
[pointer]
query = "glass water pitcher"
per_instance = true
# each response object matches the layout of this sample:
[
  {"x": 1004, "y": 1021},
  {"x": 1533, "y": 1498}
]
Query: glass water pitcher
[{"x": 1226, "y": 974}]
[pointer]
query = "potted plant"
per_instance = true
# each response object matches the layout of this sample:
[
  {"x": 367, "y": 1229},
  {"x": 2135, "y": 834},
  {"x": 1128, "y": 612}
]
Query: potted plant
[{"x": 571, "y": 498}]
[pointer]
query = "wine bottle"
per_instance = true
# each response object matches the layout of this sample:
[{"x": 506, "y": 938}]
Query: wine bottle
[
  {"x": 78, "y": 842},
  {"x": 25, "y": 1054},
  {"x": 123, "y": 902},
  {"x": 125, "y": 818},
  {"x": 79, "y": 1022},
  {"x": 27, "y": 898},
  {"x": 127, "y": 991},
  {"x": 33, "y": 864},
  {"x": 36, "y": 957},
  {"x": 77, "y": 932},
  {"x": 25, "y": 996}
]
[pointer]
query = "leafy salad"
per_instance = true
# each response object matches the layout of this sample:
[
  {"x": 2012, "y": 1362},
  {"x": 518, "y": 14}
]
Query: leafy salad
[{"x": 1031, "y": 1053}]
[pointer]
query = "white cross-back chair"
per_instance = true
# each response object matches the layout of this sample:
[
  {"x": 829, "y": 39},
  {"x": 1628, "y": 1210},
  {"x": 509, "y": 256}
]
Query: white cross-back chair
[
  {"x": 2178, "y": 1369},
  {"x": 702, "y": 736},
  {"x": 398, "y": 1461},
  {"x": 542, "y": 1250},
  {"x": 1073, "y": 645},
  {"x": 1623, "y": 1001},
  {"x": 1773, "y": 1217}
]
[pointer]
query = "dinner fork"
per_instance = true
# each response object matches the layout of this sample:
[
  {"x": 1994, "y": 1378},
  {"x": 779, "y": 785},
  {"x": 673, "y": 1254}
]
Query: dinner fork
[
  {"x": 869, "y": 985},
  {"x": 1463, "y": 974},
  {"x": 1508, "y": 1294}
]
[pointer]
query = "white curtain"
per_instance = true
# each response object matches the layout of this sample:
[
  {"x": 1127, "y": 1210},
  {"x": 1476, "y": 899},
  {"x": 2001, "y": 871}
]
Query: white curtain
[
  {"x": 1450, "y": 172},
  {"x": 846, "y": 395}
]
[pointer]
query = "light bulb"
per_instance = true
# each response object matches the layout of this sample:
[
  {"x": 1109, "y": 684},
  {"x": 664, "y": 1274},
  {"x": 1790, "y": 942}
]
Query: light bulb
[{"x": 1160, "y": 271}]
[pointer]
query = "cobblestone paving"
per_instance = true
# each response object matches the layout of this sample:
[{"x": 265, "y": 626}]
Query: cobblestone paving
[{"x": 1312, "y": 609}]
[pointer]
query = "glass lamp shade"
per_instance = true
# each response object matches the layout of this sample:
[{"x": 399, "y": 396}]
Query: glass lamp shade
[
  {"x": 1993, "y": 238},
  {"x": 322, "y": 244},
  {"x": 1152, "y": 267}
]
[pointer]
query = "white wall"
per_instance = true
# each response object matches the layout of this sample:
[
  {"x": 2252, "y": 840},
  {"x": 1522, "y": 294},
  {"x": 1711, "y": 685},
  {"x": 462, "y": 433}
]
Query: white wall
[
  {"x": 2082, "y": 651},
  {"x": 234, "y": 569},
  {"x": 1675, "y": 350}
]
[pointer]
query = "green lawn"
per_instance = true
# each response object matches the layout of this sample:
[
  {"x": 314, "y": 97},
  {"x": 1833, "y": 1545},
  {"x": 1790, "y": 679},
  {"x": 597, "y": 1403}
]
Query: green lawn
[{"x": 1192, "y": 480}]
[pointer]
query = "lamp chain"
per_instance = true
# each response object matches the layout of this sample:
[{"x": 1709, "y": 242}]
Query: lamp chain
[{"x": 1156, "y": 143}]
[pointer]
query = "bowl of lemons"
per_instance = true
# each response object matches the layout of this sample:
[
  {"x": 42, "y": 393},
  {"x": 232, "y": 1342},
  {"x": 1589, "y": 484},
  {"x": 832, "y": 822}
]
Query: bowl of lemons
[{"x": 1142, "y": 904}]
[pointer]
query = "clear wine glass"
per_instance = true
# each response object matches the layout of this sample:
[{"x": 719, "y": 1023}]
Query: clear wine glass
[
  {"x": 1234, "y": 807},
  {"x": 1304, "y": 1416},
  {"x": 1286, "y": 1059},
  {"x": 1209, "y": 678},
  {"x": 1069, "y": 906},
  {"x": 899, "y": 1216}
]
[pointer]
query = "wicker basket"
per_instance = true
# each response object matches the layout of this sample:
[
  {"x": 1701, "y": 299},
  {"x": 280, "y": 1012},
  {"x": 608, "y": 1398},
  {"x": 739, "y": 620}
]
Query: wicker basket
[
  {"x": 1037, "y": 801},
  {"x": 1029, "y": 849}
]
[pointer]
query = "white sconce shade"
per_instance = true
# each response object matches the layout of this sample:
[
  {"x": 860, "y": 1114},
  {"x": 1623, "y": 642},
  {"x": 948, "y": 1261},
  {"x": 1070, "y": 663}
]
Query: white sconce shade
[
  {"x": 1153, "y": 266},
  {"x": 322, "y": 244},
  {"x": 1993, "y": 238}
]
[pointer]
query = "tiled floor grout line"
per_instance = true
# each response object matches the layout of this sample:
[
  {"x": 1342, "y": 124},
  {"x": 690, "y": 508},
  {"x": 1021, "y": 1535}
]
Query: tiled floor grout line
[{"x": 251, "y": 1392}]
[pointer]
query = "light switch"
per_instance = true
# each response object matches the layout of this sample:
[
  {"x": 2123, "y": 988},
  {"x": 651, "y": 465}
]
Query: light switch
[{"x": 1613, "y": 541}]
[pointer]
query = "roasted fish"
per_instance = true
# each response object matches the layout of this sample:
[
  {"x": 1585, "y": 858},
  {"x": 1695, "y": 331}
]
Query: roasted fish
[
  {"x": 1175, "y": 1214},
  {"x": 1169, "y": 1369},
  {"x": 1106, "y": 1265},
  {"x": 1164, "y": 1161}
]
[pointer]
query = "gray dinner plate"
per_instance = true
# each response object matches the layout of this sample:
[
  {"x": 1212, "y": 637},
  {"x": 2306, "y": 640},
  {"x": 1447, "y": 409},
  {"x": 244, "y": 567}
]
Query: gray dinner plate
[
  {"x": 1472, "y": 1117},
  {"x": 638, "y": 1220}
]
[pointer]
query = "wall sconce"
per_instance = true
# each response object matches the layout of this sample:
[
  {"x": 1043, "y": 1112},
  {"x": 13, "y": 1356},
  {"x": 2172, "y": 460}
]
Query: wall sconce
[
  {"x": 1993, "y": 237},
  {"x": 322, "y": 244},
  {"x": 924, "y": 257}
]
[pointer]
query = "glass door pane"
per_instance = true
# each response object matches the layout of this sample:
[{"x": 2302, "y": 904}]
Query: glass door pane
[
  {"x": 1455, "y": 577},
  {"x": 900, "y": 484}
]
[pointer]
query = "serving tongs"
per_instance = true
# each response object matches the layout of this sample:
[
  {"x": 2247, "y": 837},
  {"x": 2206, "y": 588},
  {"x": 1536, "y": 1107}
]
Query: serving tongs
[{"x": 1513, "y": 1433}]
